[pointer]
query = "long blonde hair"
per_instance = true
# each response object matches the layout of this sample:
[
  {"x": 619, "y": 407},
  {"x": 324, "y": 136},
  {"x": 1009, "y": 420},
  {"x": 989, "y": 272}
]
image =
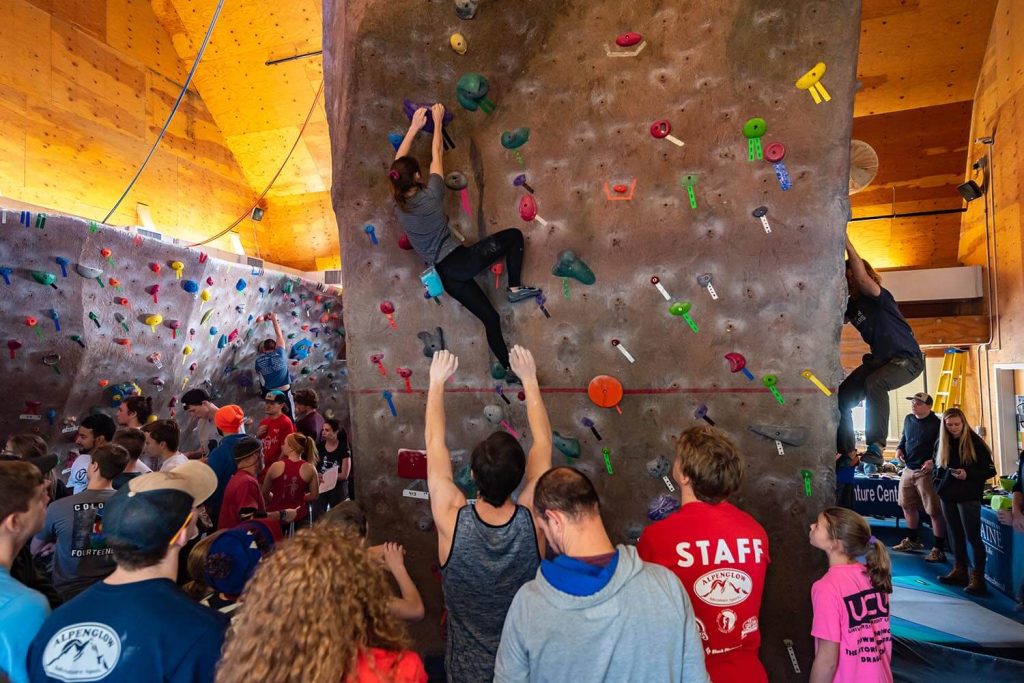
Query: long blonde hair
[
  {"x": 323, "y": 583},
  {"x": 966, "y": 448},
  {"x": 305, "y": 446},
  {"x": 850, "y": 529}
]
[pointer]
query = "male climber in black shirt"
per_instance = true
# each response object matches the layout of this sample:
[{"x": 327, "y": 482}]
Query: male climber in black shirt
[{"x": 895, "y": 360}]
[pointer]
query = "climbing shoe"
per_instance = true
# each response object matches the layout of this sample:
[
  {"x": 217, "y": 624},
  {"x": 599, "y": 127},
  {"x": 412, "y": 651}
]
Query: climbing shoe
[{"x": 522, "y": 294}]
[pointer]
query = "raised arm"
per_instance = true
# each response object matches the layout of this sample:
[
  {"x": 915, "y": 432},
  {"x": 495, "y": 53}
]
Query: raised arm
[
  {"x": 437, "y": 144},
  {"x": 277, "y": 331},
  {"x": 409, "y": 607},
  {"x": 538, "y": 460},
  {"x": 445, "y": 496},
  {"x": 860, "y": 274},
  {"x": 419, "y": 119}
]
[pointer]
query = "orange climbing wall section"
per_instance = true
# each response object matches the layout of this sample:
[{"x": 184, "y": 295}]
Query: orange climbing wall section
[{"x": 708, "y": 67}]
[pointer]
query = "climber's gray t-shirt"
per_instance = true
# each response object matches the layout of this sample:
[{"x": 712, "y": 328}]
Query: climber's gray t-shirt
[{"x": 424, "y": 222}]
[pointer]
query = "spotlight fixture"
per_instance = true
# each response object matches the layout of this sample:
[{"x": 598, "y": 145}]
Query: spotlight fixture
[
  {"x": 969, "y": 191},
  {"x": 257, "y": 213}
]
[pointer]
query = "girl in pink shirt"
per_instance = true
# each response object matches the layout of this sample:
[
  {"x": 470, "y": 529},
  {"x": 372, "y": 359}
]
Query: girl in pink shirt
[{"x": 851, "y": 602}]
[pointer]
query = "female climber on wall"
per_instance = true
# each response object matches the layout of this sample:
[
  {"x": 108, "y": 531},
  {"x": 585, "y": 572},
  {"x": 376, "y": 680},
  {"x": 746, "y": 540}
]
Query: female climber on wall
[
  {"x": 895, "y": 360},
  {"x": 420, "y": 210}
]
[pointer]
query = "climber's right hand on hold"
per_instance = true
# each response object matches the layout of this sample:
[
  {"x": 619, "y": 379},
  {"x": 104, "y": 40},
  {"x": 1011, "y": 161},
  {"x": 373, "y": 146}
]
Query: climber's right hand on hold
[
  {"x": 437, "y": 110},
  {"x": 443, "y": 366},
  {"x": 419, "y": 119},
  {"x": 522, "y": 363}
]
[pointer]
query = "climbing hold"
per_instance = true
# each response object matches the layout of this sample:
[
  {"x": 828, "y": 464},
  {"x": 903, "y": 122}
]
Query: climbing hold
[
  {"x": 388, "y": 309},
  {"x": 456, "y": 180},
  {"x": 570, "y": 265},
  {"x": 607, "y": 453},
  {"x": 177, "y": 267},
  {"x": 44, "y": 278},
  {"x": 623, "y": 350},
  {"x": 738, "y": 363},
  {"x": 774, "y": 154},
  {"x": 628, "y": 39},
  {"x": 155, "y": 267},
  {"x": 689, "y": 181},
  {"x": 541, "y": 300},
  {"x": 656, "y": 281},
  {"x": 762, "y": 213},
  {"x": 12, "y": 346},
  {"x": 154, "y": 291},
  {"x": 770, "y": 381},
  {"x": 391, "y": 403},
  {"x": 811, "y": 81},
  {"x": 605, "y": 391},
  {"x": 51, "y": 360},
  {"x": 206, "y": 317},
  {"x": 109, "y": 255},
  {"x": 78, "y": 340},
  {"x": 458, "y": 43},
  {"x": 661, "y": 507},
  {"x": 403, "y": 243},
  {"x": 528, "y": 209},
  {"x": 191, "y": 286},
  {"x": 433, "y": 342},
  {"x": 661, "y": 129},
  {"x": 498, "y": 371},
  {"x": 754, "y": 129},
  {"x": 808, "y": 477},
  {"x": 809, "y": 376},
  {"x": 701, "y": 413},
  {"x": 566, "y": 445},
  {"x": 406, "y": 374},
  {"x": 55, "y": 318},
  {"x": 497, "y": 269},
  {"x": 704, "y": 281},
  {"x": 63, "y": 263},
  {"x": 371, "y": 233},
  {"x": 154, "y": 320},
  {"x": 209, "y": 281},
  {"x": 121, "y": 301},
  {"x": 471, "y": 93},
  {"x": 496, "y": 416},
  {"x": 34, "y": 324},
  {"x": 205, "y": 295},
  {"x": 378, "y": 360},
  {"x": 681, "y": 309},
  {"x": 520, "y": 181},
  {"x": 466, "y": 9},
  {"x": 589, "y": 424},
  {"x": 5, "y": 273},
  {"x": 185, "y": 353},
  {"x": 95, "y": 318}
]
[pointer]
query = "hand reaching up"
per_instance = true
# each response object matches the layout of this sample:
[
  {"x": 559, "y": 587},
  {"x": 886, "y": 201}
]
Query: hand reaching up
[
  {"x": 394, "y": 557},
  {"x": 438, "y": 113},
  {"x": 419, "y": 119},
  {"x": 443, "y": 366},
  {"x": 522, "y": 363}
]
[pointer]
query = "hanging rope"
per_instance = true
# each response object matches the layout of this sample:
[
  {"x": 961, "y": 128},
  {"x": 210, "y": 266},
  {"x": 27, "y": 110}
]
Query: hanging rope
[
  {"x": 263, "y": 194},
  {"x": 174, "y": 110}
]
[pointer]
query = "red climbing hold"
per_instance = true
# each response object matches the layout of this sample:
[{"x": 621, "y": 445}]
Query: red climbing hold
[{"x": 628, "y": 39}]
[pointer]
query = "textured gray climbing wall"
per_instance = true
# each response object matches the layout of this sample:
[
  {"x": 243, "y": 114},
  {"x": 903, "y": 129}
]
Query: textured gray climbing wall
[
  {"x": 706, "y": 67},
  {"x": 102, "y": 306}
]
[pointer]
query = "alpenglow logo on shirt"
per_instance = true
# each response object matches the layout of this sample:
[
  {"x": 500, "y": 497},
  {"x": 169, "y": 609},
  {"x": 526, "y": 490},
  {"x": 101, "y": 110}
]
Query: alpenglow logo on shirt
[
  {"x": 723, "y": 587},
  {"x": 82, "y": 652}
]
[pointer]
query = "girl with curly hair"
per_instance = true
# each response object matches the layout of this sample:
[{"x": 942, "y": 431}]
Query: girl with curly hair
[{"x": 321, "y": 571}]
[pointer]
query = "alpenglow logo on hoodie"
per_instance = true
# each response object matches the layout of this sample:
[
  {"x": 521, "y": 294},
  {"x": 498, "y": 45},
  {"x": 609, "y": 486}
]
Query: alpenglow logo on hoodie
[
  {"x": 723, "y": 587},
  {"x": 82, "y": 652}
]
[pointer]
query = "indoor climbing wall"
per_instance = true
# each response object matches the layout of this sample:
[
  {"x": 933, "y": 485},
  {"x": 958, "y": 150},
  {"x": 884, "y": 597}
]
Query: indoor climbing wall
[
  {"x": 668, "y": 149},
  {"x": 93, "y": 313}
]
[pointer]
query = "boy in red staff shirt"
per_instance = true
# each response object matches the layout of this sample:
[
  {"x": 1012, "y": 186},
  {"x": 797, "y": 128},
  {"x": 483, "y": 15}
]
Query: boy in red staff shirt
[
  {"x": 274, "y": 427},
  {"x": 719, "y": 552},
  {"x": 243, "y": 499}
]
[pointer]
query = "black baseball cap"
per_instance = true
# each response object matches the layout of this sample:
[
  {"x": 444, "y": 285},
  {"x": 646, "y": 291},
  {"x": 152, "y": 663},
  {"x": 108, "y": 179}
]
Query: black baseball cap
[
  {"x": 146, "y": 513},
  {"x": 45, "y": 463}
]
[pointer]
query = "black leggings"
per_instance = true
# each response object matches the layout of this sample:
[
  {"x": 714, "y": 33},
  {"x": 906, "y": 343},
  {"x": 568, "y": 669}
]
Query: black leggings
[
  {"x": 964, "y": 523},
  {"x": 459, "y": 268}
]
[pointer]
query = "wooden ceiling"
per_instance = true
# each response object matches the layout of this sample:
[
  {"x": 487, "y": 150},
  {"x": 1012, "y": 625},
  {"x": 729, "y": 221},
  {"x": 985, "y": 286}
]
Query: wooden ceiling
[
  {"x": 260, "y": 110},
  {"x": 918, "y": 68}
]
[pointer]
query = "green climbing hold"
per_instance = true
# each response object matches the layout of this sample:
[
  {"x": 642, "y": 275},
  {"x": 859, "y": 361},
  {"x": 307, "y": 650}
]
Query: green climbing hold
[
  {"x": 571, "y": 265},
  {"x": 511, "y": 139},
  {"x": 498, "y": 371}
]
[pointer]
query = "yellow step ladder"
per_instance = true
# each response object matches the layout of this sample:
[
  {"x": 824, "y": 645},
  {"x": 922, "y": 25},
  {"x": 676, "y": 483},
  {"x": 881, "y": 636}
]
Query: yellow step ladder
[{"x": 950, "y": 391}]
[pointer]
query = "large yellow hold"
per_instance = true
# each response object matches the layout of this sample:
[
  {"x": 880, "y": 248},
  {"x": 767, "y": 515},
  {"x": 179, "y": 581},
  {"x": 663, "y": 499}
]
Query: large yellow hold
[{"x": 153, "y": 321}]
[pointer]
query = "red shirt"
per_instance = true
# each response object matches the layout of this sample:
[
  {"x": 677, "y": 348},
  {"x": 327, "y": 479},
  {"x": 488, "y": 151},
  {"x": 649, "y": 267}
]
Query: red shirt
[
  {"x": 720, "y": 553},
  {"x": 376, "y": 665},
  {"x": 277, "y": 429},
  {"x": 243, "y": 491},
  {"x": 289, "y": 489}
]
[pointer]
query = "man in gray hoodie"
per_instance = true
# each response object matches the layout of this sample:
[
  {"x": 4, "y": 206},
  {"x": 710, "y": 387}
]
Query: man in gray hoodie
[{"x": 596, "y": 612}]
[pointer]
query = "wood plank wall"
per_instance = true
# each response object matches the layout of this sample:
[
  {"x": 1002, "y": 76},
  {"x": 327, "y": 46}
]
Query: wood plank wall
[
  {"x": 999, "y": 111},
  {"x": 85, "y": 89}
]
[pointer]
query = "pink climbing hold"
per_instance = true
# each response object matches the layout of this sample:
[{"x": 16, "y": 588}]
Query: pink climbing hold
[
  {"x": 628, "y": 39},
  {"x": 527, "y": 207},
  {"x": 406, "y": 373}
]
